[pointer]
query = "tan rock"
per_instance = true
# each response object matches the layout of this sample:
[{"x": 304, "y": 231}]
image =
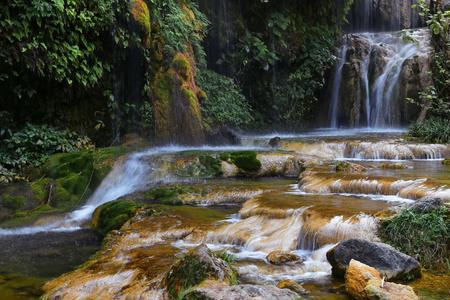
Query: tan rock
[
  {"x": 292, "y": 285},
  {"x": 229, "y": 170},
  {"x": 279, "y": 257},
  {"x": 376, "y": 290},
  {"x": 357, "y": 277}
]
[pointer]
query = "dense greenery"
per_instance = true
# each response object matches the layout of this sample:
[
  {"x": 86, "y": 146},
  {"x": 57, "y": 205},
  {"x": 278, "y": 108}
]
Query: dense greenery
[
  {"x": 424, "y": 235},
  {"x": 432, "y": 130},
  {"x": 32, "y": 145},
  {"x": 278, "y": 53},
  {"x": 225, "y": 103},
  {"x": 436, "y": 99}
]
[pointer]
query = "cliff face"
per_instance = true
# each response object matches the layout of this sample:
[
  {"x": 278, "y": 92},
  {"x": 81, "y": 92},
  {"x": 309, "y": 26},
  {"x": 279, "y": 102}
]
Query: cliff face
[{"x": 383, "y": 15}]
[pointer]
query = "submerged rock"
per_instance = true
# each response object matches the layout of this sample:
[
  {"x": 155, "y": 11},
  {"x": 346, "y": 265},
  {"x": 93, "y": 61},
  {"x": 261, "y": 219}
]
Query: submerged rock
[
  {"x": 279, "y": 257},
  {"x": 389, "y": 262},
  {"x": 275, "y": 142},
  {"x": 214, "y": 290},
  {"x": 198, "y": 265},
  {"x": 364, "y": 282},
  {"x": 293, "y": 286}
]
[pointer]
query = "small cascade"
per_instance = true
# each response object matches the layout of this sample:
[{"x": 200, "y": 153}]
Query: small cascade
[
  {"x": 371, "y": 80},
  {"x": 138, "y": 172},
  {"x": 375, "y": 188}
]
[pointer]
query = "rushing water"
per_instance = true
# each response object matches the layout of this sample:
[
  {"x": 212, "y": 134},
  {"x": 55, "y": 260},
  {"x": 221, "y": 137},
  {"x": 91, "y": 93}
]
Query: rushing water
[
  {"x": 137, "y": 172},
  {"x": 374, "y": 62}
]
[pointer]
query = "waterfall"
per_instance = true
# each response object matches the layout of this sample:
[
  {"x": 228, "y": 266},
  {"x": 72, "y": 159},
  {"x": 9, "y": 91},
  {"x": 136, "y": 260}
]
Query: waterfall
[
  {"x": 337, "y": 86},
  {"x": 138, "y": 172},
  {"x": 377, "y": 64}
]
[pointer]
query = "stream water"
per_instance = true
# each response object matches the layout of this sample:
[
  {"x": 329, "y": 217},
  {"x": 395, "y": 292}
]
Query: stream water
[{"x": 248, "y": 217}]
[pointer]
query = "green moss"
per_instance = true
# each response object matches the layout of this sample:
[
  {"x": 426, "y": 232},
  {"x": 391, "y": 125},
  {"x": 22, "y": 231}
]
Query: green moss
[
  {"x": 181, "y": 65},
  {"x": 213, "y": 166},
  {"x": 141, "y": 14},
  {"x": 244, "y": 160},
  {"x": 112, "y": 215},
  {"x": 168, "y": 195},
  {"x": 13, "y": 202},
  {"x": 40, "y": 189},
  {"x": 446, "y": 162}
]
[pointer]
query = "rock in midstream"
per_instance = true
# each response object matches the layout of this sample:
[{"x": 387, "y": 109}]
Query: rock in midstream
[{"x": 389, "y": 262}]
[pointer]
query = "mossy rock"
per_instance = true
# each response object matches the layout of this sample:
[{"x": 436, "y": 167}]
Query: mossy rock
[
  {"x": 112, "y": 215},
  {"x": 168, "y": 195},
  {"x": 197, "y": 265},
  {"x": 213, "y": 166},
  {"x": 446, "y": 162},
  {"x": 181, "y": 65},
  {"x": 247, "y": 161}
]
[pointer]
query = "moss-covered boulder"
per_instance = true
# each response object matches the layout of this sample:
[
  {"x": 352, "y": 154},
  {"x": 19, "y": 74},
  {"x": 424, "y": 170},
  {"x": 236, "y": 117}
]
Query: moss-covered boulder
[
  {"x": 168, "y": 195},
  {"x": 112, "y": 215},
  {"x": 198, "y": 265},
  {"x": 446, "y": 162},
  {"x": 176, "y": 104},
  {"x": 246, "y": 161}
]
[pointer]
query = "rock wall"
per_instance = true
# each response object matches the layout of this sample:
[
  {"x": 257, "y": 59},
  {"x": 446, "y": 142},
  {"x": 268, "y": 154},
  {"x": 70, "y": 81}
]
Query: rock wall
[{"x": 383, "y": 15}]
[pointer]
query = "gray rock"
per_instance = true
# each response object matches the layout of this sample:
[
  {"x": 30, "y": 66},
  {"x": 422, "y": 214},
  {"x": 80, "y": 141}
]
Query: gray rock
[
  {"x": 219, "y": 291},
  {"x": 389, "y": 262},
  {"x": 425, "y": 206},
  {"x": 275, "y": 142}
]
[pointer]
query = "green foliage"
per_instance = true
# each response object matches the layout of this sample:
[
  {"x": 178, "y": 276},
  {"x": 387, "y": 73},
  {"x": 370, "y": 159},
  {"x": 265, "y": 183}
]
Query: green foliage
[
  {"x": 244, "y": 160},
  {"x": 34, "y": 144},
  {"x": 112, "y": 215},
  {"x": 225, "y": 103},
  {"x": 432, "y": 130},
  {"x": 425, "y": 236},
  {"x": 181, "y": 24},
  {"x": 224, "y": 255},
  {"x": 57, "y": 39}
]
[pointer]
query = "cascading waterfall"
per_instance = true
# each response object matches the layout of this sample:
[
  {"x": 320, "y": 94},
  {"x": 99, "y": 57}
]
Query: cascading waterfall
[
  {"x": 337, "y": 85},
  {"x": 138, "y": 172},
  {"x": 373, "y": 94}
]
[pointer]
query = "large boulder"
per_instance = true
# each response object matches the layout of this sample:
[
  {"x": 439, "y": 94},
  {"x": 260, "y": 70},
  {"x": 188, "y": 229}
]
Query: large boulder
[
  {"x": 198, "y": 265},
  {"x": 389, "y": 262},
  {"x": 213, "y": 290},
  {"x": 363, "y": 282}
]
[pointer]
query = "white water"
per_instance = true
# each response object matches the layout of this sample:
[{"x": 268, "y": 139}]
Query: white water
[
  {"x": 337, "y": 86},
  {"x": 134, "y": 174},
  {"x": 381, "y": 101}
]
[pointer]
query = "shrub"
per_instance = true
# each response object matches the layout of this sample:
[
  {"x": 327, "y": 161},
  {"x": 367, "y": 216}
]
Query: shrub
[
  {"x": 433, "y": 130},
  {"x": 424, "y": 235},
  {"x": 224, "y": 103},
  {"x": 34, "y": 144}
]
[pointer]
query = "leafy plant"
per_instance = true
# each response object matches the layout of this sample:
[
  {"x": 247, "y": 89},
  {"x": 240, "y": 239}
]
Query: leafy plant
[
  {"x": 432, "y": 130},
  {"x": 425, "y": 236},
  {"x": 34, "y": 144},
  {"x": 225, "y": 103}
]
